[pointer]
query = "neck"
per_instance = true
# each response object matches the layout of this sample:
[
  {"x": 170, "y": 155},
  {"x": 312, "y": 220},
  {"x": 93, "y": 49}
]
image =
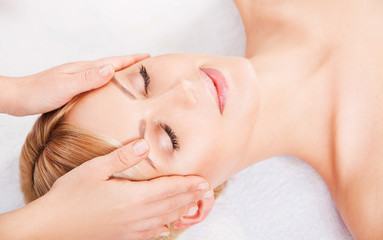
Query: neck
[
  {"x": 273, "y": 25},
  {"x": 297, "y": 94},
  {"x": 295, "y": 115}
]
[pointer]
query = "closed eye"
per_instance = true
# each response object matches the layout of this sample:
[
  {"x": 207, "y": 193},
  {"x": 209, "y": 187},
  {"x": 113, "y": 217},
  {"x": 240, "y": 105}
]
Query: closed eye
[
  {"x": 146, "y": 78},
  {"x": 173, "y": 137}
]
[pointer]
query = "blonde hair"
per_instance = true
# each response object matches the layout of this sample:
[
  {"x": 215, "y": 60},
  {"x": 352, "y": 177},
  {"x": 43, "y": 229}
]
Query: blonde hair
[{"x": 54, "y": 147}]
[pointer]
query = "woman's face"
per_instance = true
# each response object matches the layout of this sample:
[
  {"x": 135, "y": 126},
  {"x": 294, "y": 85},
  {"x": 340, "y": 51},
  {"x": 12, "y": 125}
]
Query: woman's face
[{"x": 171, "y": 102}]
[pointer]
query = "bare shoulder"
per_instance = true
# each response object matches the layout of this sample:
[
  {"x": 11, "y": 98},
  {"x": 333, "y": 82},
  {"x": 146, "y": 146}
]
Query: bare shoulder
[
  {"x": 359, "y": 198},
  {"x": 359, "y": 151},
  {"x": 358, "y": 71},
  {"x": 359, "y": 168}
]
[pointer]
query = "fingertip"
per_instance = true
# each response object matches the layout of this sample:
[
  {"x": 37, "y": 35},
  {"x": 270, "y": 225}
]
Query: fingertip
[
  {"x": 119, "y": 160},
  {"x": 140, "y": 147},
  {"x": 129, "y": 155},
  {"x": 198, "y": 182}
]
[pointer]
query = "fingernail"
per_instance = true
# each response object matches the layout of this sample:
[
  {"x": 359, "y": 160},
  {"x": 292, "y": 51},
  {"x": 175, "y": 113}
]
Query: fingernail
[
  {"x": 140, "y": 148},
  {"x": 164, "y": 234},
  {"x": 192, "y": 211},
  {"x": 208, "y": 194},
  {"x": 203, "y": 186},
  {"x": 105, "y": 70}
]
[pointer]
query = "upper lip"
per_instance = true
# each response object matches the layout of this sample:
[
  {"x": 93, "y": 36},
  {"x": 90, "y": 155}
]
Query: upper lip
[{"x": 220, "y": 85}]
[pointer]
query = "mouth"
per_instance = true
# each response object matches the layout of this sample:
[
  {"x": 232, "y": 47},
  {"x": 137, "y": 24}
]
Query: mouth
[{"x": 217, "y": 86}]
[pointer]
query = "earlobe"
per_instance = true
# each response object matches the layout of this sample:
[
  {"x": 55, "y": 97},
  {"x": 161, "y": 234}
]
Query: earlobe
[{"x": 204, "y": 208}]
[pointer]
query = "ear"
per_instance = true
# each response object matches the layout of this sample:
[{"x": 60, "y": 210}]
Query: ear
[{"x": 204, "y": 208}]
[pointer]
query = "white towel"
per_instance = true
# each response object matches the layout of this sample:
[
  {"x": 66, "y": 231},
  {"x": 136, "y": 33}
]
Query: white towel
[{"x": 279, "y": 198}]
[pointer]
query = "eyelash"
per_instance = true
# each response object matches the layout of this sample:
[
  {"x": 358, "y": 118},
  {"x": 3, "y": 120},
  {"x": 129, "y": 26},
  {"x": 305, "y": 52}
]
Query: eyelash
[
  {"x": 146, "y": 78},
  {"x": 172, "y": 136}
]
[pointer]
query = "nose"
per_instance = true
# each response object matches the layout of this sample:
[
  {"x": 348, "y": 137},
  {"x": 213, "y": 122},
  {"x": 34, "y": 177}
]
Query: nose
[{"x": 182, "y": 95}]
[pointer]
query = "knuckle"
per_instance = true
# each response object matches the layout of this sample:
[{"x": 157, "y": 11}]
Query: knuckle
[
  {"x": 86, "y": 76},
  {"x": 122, "y": 157}
]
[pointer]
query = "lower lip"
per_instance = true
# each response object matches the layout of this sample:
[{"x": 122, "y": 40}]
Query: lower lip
[{"x": 220, "y": 84}]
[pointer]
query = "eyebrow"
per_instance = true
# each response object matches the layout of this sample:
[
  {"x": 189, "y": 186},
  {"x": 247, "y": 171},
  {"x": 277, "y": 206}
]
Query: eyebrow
[
  {"x": 123, "y": 89},
  {"x": 142, "y": 123},
  {"x": 142, "y": 128}
]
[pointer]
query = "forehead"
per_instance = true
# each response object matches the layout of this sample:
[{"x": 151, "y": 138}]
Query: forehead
[{"x": 106, "y": 111}]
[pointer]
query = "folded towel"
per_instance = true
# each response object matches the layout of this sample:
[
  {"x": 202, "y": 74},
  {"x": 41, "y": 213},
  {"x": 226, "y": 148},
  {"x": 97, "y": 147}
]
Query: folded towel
[{"x": 279, "y": 198}]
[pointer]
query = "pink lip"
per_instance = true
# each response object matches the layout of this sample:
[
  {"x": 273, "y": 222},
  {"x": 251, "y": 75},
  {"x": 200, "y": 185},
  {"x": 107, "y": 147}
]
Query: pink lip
[{"x": 220, "y": 85}]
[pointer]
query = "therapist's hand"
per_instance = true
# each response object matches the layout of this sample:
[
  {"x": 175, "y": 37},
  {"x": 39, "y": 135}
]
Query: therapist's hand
[
  {"x": 51, "y": 89},
  {"x": 87, "y": 203}
]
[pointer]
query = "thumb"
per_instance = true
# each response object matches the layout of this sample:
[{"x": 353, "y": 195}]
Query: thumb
[
  {"x": 120, "y": 159},
  {"x": 93, "y": 78}
]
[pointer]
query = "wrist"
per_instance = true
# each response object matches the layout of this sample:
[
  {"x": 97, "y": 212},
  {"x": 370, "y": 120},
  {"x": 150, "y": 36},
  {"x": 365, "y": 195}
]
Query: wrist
[
  {"x": 41, "y": 219},
  {"x": 5, "y": 94},
  {"x": 31, "y": 222},
  {"x": 19, "y": 224},
  {"x": 9, "y": 99}
]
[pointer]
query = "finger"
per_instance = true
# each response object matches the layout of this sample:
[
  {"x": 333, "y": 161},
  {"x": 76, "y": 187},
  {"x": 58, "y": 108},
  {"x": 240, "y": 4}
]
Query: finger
[
  {"x": 120, "y": 159},
  {"x": 189, "y": 210},
  {"x": 118, "y": 63},
  {"x": 101, "y": 73},
  {"x": 122, "y": 62},
  {"x": 175, "y": 203},
  {"x": 88, "y": 79},
  {"x": 167, "y": 187},
  {"x": 158, "y": 221},
  {"x": 158, "y": 232}
]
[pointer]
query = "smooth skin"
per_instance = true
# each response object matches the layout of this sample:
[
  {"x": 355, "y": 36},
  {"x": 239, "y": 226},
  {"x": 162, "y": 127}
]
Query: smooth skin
[
  {"x": 310, "y": 86},
  {"x": 320, "y": 67},
  {"x": 88, "y": 203}
]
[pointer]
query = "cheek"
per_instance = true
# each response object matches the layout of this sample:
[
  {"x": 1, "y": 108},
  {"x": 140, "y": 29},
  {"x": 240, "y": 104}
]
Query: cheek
[
  {"x": 222, "y": 159},
  {"x": 211, "y": 158}
]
